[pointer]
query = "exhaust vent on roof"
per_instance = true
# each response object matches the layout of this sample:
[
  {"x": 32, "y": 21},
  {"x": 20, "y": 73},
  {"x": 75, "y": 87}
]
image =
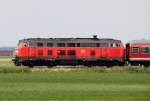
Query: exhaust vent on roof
[{"x": 94, "y": 36}]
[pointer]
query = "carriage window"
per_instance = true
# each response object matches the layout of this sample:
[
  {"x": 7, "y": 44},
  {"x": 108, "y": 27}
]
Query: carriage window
[
  {"x": 49, "y": 52},
  {"x": 71, "y": 52},
  {"x": 50, "y": 44},
  {"x": 145, "y": 50},
  {"x": 92, "y": 53},
  {"x": 61, "y": 52},
  {"x": 135, "y": 50},
  {"x": 103, "y": 44},
  {"x": 40, "y": 44},
  {"x": 61, "y": 44},
  {"x": 71, "y": 44}
]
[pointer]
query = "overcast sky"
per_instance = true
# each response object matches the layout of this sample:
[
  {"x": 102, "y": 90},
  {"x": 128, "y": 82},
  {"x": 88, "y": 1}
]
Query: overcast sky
[{"x": 121, "y": 19}]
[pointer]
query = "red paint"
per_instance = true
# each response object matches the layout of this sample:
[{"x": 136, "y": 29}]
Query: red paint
[
  {"x": 139, "y": 55},
  {"x": 80, "y": 51}
]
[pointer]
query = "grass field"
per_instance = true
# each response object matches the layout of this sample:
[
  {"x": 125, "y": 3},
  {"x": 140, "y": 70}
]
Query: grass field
[
  {"x": 74, "y": 85},
  {"x": 5, "y": 56}
]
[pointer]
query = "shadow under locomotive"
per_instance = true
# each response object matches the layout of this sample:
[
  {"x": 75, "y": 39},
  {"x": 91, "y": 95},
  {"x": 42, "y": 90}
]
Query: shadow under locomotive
[{"x": 73, "y": 61}]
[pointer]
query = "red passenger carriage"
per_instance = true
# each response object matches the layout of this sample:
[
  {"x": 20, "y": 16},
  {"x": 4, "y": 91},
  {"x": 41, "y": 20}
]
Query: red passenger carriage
[{"x": 138, "y": 52}]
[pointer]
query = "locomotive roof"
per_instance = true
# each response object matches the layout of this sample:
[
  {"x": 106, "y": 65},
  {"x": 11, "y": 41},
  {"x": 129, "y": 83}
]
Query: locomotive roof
[
  {"x": 71, "y": 39},
  {"x": 142, "y": 41}
]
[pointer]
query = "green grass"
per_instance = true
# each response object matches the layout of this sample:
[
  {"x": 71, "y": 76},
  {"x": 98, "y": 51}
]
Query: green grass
[
  {"x": 9, "y": 67},
  {"x": 6, "y": 56},
  {"x": 75, "y": 86},
  {"x": 96, "y": 84}
]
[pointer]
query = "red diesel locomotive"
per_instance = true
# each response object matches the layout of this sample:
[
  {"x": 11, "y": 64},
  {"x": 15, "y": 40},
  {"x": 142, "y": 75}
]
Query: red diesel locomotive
[{"x": 69, "y": 51}]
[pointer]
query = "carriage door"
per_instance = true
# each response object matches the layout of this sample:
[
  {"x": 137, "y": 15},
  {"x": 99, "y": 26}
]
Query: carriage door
[{"x": 127, "y": 51}]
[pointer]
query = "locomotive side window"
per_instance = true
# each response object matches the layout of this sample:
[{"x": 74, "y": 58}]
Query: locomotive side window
[
  {"x": 97, "y": 44},
  {"x": 50, "y": 44},
  {"x": 135, "y": 50},
  {"x": 61, "y": 52},
  {"x": 88, "y": 44},
  {"x": 103, "y": 44},
  {"x": 71, "y": 52},
  {"x": 40, "y": 44},
  {"x": 145, "y": 50},
  {"x": 61, "y": 44},
  {"x": 71, "y": 44},
  {"x": 78, "y": 44},
  {"x": 84, "y": 44},
  {"x": 25, "y": 44},
  {"x": 49, "y": 52}
]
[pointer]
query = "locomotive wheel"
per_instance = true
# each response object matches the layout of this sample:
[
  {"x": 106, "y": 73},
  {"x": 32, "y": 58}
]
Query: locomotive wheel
[
  {"x": 88, "y": 64},
  {"x": 145, "y": 65},
  {"x": 17, "y": 63},
  {"x": 31, "y": 66},
  {"x": 50, "y": 66},
  {"x": 121, "y": 64}
]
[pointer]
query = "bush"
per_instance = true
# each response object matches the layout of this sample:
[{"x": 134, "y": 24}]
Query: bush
[
  {"x": 7, "y": 69},
  {"x": 136, "y": 69},
  {"x": 116, "y": 69}
]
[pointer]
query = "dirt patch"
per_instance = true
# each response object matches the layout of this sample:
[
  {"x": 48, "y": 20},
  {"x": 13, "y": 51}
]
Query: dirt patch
[
  {"x": 5, "y": 59},
  {"x": 57, "y": 69}
]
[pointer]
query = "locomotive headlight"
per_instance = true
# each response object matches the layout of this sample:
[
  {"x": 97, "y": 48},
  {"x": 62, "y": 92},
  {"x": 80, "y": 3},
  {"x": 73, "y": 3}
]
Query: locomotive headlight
[{"x": 17, "y": 51}]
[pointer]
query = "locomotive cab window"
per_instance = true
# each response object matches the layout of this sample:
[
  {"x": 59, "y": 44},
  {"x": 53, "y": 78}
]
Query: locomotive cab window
[
  {"x": 145, "y": 50},
  {"x": 40, "y": 44},
  {"x": 135, "y": 50},
  {"x": 115, "y": 45},
  {"x": 25, "y": 44}
]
